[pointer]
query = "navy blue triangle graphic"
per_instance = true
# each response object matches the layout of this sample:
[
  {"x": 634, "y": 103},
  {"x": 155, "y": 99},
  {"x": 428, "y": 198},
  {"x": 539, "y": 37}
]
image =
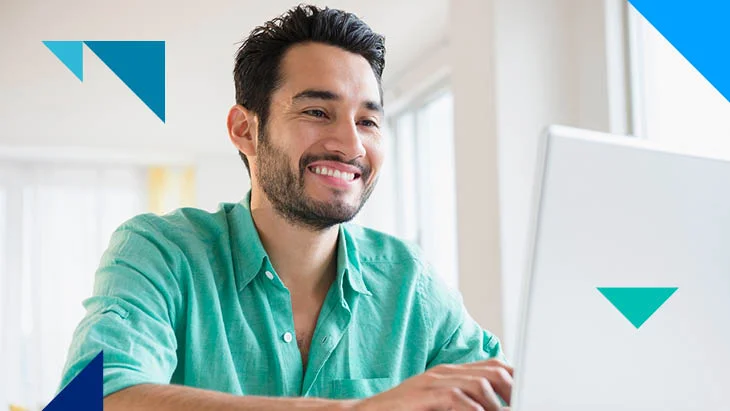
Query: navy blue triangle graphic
[
  {"x": 83, "y": 393},
  {"x": 140, "y": 65}
]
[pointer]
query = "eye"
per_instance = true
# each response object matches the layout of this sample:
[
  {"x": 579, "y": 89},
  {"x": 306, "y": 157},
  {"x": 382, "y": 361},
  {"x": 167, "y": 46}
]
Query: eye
[
  {"x": 316, "y": 113},
  {"x": 369, "y": 123}
]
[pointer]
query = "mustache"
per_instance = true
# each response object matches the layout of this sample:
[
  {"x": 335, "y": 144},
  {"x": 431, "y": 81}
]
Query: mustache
[{"x": 311, "y": 158}]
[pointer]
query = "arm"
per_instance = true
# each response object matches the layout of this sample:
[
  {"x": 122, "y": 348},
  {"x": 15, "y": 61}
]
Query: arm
[
  {"x": 132, "y": 313},
  {"x": 138, "y": 295},
  {"x": 152, "y": 397},
  {"x": 464, "y": 387}
]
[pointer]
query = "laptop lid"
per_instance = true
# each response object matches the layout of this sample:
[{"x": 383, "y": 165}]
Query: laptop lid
[{"x": 626, "y": 304}]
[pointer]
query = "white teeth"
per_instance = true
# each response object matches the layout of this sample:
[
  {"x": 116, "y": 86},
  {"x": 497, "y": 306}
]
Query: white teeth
[{"x": 342, "y": 175}]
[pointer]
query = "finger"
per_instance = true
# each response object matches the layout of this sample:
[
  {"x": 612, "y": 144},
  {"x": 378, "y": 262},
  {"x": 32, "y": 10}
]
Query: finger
[
  {"x": 450, "y": 368},
  {"x": 453, "y": 399},
  {"x": 476, "y": 388},
  {"x": 465, "y": 403},
  {"x": 493, "y": 362},
  {"x": 499, "y": 378},
  {"x": 501, "y": 381}
]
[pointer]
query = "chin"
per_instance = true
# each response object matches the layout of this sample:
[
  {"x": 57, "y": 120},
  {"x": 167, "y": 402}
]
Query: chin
[
  {"x": 349, "y": 202},
  {"x": 327, "y": 194}
]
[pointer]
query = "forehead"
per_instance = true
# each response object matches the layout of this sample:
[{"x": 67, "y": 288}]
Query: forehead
[{"x": 324, "y": 67}]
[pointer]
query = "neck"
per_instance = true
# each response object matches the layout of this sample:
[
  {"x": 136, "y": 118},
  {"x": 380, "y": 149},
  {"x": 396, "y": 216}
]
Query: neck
[{"x": 304, "y": 259}]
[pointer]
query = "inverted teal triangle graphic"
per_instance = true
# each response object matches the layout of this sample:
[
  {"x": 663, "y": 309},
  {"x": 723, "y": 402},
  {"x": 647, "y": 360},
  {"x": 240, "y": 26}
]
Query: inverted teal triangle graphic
[
  {"x": 699, "y": 30},
  {"x": 71, "y": 54},
  {"x": 85, "y": 392},
  {"x": 140, "y": 65},
  {"x": 637, "y": 304}
]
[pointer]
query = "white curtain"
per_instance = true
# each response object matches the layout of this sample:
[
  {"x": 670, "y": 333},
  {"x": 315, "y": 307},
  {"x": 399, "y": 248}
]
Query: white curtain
[{"x": 55, "y": 221}]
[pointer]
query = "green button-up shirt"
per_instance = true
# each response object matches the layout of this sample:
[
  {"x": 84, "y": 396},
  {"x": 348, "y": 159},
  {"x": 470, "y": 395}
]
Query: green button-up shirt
[{"x": 191, "y": 298}]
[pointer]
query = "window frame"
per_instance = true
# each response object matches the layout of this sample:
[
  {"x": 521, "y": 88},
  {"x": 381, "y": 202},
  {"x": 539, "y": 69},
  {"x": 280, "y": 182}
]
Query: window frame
[{"x": 412, "y": 108}]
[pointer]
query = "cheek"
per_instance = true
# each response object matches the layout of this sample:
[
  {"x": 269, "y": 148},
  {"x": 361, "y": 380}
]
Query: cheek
[
  {"x": 294, "y": 141},
  {"x": 376, "y": 154},
  {"x": 302, "y": 137},
  {"x": 305, "y": 131}
]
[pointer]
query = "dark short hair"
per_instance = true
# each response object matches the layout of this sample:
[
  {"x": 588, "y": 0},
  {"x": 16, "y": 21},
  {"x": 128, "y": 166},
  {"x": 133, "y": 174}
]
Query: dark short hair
[{"x": 258, "y": 60}]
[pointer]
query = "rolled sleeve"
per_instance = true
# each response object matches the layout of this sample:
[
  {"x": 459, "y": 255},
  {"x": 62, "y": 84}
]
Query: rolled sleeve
[
  {"x": 131, "y": 315},
  {"x": 468, "y": 343}
]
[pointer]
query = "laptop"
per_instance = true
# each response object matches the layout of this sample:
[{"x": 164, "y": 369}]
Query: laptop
[{"x": 626, "y": 302}]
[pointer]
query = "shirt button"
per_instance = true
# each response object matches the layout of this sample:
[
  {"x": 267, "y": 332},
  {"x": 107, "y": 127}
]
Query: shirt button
[
  {"x": 287, "y": 337},
  {"x": 269, "y": 275}
]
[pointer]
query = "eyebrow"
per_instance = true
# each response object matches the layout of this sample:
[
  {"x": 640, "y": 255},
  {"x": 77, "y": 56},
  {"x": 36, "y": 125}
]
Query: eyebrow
[{"x": 328, "y": 95}]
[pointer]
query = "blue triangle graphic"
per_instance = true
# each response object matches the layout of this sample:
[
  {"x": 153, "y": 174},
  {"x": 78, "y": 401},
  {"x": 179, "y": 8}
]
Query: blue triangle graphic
[
  {"x": 699, "y": 30},
  {"x": 71, "y": 54},
  {"x": 140, "y": 65},
  {"x": 84, "y": 392},
  {"x": 637, "y": 304}
]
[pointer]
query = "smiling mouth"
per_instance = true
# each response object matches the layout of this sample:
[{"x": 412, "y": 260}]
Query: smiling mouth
[{"x": 342, "y": 175}]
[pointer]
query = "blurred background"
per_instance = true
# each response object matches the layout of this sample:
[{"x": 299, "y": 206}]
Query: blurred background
[{"x": 469, "y": 86}]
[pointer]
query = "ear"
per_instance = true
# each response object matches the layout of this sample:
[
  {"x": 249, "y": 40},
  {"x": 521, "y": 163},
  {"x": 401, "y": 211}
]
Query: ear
[{"x": 243, "y": 130}]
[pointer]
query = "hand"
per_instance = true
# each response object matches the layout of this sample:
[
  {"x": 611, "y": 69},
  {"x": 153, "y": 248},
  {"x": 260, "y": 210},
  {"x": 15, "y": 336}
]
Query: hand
[{"x": 472, "y": 387}]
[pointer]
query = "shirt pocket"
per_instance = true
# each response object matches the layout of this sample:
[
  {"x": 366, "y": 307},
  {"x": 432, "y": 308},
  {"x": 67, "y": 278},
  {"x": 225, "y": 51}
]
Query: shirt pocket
[{"x": 360, "y": 388}]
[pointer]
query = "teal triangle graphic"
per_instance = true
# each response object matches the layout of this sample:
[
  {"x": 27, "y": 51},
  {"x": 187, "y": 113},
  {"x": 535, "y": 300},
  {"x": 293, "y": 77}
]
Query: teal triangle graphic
[
  {"x": 71, "y": 54},
  {"x": 639, "y": 303},
  {"x": 140, "y": 65}
]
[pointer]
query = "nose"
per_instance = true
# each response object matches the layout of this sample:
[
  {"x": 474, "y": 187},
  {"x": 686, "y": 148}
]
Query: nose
[{"x": 345, "y": 139}]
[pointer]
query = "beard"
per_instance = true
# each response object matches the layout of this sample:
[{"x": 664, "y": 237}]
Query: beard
[{"x": 285, "y": 188}]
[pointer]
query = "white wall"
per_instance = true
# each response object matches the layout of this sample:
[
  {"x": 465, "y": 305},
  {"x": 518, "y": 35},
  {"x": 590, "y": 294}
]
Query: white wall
[
  {"x": 47, "y": 114},
  {"x": 473, "y": 78},
  {"x": 43, "y": 104},
  {"x": 529, "y": 64},
  {"x": 220, "y": 178}
]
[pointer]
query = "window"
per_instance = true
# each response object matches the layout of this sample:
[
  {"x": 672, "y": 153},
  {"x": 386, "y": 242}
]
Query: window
[
  {"x": 425, "y": 181},
  {"x": 675, "y": 105},
  {"x": 415, "y": 199},
  {"x": 59, "y": 220}
]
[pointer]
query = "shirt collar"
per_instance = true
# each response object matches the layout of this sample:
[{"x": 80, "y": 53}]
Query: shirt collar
[
  {"x": 250, "y": 257},
  {"x": 348, "y": 261}
]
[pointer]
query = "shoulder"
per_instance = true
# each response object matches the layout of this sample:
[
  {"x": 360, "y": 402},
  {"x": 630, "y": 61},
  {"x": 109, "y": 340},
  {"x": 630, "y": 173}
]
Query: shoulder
[
  {"x": 396, "y": 263},
  {"x": 173, "y": 235},
  {"x": 163, "y": 250},
  {"x": 377, "y": 246},
  {"x": 182, "y": 224},
  {"x": 397, "y": 272}
]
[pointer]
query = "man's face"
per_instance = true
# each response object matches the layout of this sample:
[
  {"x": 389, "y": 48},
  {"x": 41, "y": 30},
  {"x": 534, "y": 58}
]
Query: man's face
[{"x": 320, "y": 152}]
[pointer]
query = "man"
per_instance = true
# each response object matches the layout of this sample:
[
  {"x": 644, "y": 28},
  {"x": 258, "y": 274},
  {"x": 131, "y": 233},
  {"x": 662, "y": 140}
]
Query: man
[{"x": 275, "y": 303}]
